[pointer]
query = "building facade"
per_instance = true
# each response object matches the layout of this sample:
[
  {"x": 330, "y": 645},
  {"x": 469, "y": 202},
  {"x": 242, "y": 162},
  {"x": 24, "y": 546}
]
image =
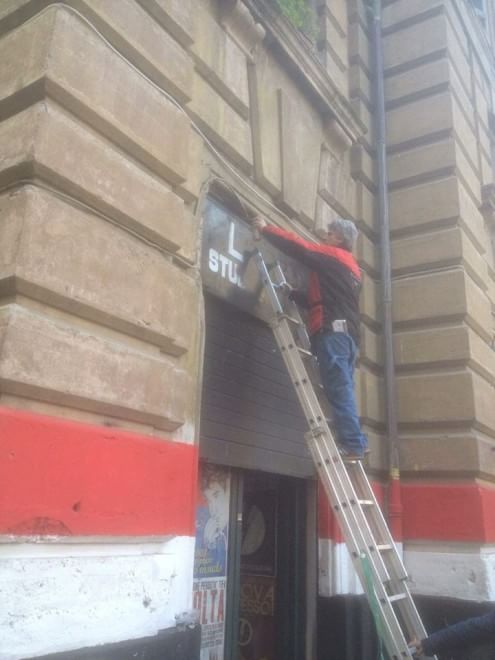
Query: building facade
[{"x": 152, "y": 459}]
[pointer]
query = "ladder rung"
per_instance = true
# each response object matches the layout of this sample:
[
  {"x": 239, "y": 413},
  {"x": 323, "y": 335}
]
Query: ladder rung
[
  {"x": 384, "y": 547},
  {"x": 304, "y": 351},
  {"x": 366, "y": 502},
  {"x": 393, "y": 599},
  {"x": 291, "y": 319}
]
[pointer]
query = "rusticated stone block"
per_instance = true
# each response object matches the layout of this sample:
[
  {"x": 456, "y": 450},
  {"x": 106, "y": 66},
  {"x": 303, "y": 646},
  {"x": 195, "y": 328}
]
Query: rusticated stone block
[
  {"x": 359, "y": 82},
  {"x": 371, "y": 406},
  {"x": 482, "y": 356},
  {"x": 105, "y": 92},
  {"x": 47, "y": 141},
  {"x": 359, "y": 46},
  {"x": 479, "y": 309},
  {"x": 441, "y": 454},
  {"x": 431, "y": 296},
  {"x": 196, "y": 170},
  {"x": 465, "y": 133},
  {"x": 415, "y": 41},
  {"x": 433, "y": 249},
  {"x": 475, "y": 264},
  {"x": 363, "y": 112},
  {"x": 55, "y": 361},
  {"x": 420, "y": 118},
  {"x": 484, "y": 396},
  {"x": 362, "y": 165},
  {"x": 141, "y": 39},
  {"x": 336, "y": 10},
  {"x": 468, "y": 174},
  {"x": 221, "y": 61},
  {"x": 94, "y": 269},
  {"x": 412, "y": 81},
  {"x": 177, "y": 16},
  {"x": 422, "y": 160},
  {"x": 445, "y": 346},
  {"x": 366, "y": 206},
  {"x": 442, "y": 398},
  {"x": 425, "y": 204},
  {"x": 404, "y": 10},
  {"x": 371, "y": 347},
  {"x": 370, "y": 301},
  {"x": 366, "y": 253},
  {"x": 471, "y": 219}
]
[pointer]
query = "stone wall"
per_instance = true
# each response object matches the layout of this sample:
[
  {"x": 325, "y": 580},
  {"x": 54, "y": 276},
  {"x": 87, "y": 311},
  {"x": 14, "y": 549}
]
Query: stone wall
[
  {"x": 438, "y": 95},
  {"x": 115, "y": 118},
  {"x": 102, "y": 175}
]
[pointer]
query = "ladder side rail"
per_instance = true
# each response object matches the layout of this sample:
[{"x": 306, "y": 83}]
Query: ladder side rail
[
  {"x": 394, "y": 639},
  {"x": 268, "y": 284},
  {"x": 292, "y": 308},
  {"x": 369, "y": 547},
  {"x": 312, "y": 410},
  {"x": 335, "y": 470},
  {"x": 375, "y": 515},
  {"x": 341, "y": 490},
  {"x": 410, "y": 615},
  {"x": 343, "y": 512}
]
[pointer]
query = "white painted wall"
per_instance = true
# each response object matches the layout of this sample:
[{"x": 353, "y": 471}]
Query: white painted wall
[
  {"x": 459, "y": 570},
  {"x": 336, "y": 571},
  {"x": 60, "y": 596},
  {"x": 336, "y": 574}
]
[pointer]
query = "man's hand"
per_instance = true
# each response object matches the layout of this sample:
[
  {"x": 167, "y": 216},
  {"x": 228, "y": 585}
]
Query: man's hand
[
  {"x": 259, "y": 223},
  {"x": 416, "y": 647}
]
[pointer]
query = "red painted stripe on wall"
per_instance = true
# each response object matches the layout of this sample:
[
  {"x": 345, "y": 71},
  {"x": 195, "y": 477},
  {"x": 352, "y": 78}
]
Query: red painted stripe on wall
[
  {"x": 66, "y": 478},
  {"x": 449, "y": 512},
  {"x": 432, "y": 512},
  {"x": 328, "y": 527}
]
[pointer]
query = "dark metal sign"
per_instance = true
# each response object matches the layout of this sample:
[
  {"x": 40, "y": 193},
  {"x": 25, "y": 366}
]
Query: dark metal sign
[{"x": 228, "y": 266}]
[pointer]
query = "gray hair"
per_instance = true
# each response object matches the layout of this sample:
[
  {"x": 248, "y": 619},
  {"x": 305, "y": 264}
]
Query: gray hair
[{"x": 347, "y": 230}]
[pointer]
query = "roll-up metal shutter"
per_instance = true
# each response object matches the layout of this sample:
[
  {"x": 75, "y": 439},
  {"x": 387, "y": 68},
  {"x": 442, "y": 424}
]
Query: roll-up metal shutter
[{"x": 250, "y": 414}]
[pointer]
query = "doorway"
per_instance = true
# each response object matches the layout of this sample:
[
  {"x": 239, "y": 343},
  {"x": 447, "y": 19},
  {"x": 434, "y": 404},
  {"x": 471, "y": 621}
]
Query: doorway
[{"x": 268, "y": 559}]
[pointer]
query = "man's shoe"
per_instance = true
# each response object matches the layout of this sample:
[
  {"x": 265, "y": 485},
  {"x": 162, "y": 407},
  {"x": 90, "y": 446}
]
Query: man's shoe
[{"x": 352, "y": 454}]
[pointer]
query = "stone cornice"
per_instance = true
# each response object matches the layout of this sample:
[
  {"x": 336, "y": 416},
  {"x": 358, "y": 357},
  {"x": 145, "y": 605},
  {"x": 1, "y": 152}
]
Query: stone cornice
[{"x": 283, "y": 38}]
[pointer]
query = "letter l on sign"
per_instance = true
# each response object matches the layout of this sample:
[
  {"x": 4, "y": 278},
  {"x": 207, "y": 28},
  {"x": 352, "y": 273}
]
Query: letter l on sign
[{"x": 231, "y": 249}]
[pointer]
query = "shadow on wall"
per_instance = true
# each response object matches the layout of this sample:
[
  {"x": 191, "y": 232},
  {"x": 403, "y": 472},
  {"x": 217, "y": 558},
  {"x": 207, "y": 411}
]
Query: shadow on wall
[{"x": 172, "y": 643}]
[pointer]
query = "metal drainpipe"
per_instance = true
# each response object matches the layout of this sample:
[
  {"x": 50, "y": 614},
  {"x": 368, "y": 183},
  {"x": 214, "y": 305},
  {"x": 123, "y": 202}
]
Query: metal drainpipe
[{"x": 394, "y": 504}]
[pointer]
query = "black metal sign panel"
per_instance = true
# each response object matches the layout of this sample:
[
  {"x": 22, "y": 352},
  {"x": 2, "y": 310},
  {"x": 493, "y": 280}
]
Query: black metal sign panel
[{"x": 228, "y": 266}]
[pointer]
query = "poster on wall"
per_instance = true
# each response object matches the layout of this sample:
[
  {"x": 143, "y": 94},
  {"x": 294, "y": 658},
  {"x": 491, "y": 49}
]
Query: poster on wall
[{"x": 210, "y": 558}]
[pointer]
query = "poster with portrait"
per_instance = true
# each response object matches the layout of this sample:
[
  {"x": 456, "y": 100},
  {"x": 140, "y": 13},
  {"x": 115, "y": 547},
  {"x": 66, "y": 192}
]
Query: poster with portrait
[{"x": 210, "y": 558}]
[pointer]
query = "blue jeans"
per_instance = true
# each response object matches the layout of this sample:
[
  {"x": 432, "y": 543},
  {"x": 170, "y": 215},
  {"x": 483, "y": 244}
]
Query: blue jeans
[{"x": 336, "y": 353}]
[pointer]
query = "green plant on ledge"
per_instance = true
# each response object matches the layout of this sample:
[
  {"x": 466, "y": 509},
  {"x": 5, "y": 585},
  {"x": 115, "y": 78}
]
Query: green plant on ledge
[{"x": 299, "y": 13}]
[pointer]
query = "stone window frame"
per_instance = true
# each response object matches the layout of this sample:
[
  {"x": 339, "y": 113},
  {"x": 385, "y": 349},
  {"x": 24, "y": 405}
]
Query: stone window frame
[{"x": 302, "y": 60}]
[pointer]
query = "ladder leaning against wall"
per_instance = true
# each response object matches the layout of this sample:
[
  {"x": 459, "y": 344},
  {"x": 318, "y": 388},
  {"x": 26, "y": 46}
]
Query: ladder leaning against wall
[{"x": 368, "y": 539}]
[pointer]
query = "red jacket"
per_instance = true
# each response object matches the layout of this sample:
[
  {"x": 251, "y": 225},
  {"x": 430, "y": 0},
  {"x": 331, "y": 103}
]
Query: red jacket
[{"x": 334, "y": 281}]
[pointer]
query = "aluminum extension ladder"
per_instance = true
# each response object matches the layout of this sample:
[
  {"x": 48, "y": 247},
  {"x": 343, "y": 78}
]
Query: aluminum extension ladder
[{"x": 368, "y": 539}]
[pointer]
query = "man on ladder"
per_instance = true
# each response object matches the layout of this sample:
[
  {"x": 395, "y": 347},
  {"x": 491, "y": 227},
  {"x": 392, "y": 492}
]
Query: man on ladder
[{"x": 333, "y": 318}]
